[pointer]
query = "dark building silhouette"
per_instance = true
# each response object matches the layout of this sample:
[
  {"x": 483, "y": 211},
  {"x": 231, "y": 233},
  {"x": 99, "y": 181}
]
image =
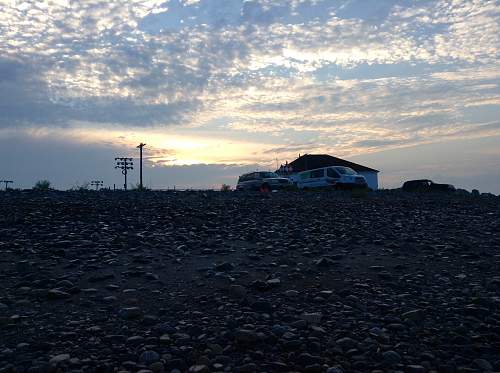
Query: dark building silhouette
[{"x": 312, "y": 161}]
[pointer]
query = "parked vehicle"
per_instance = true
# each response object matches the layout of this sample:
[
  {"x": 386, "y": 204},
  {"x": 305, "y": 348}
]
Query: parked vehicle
[
  {"x": 426, "y": 185},
  {"x": 263, "y": 181},
  {"x": 334, "y": 176}
]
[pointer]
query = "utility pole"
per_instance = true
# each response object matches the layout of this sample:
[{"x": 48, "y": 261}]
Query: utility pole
[
  {"x": 140, "y": 146},
  {"x": 124, "y": 164},
  {"x": 7, "y": 182},
  {"x": 97, "y": 183}
]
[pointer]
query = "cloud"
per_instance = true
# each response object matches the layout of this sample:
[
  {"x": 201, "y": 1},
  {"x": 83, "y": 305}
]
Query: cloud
[{"x": 332, "y": 73}]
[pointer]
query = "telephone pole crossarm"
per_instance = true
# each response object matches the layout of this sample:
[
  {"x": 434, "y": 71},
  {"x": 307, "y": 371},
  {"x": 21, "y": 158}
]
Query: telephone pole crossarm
[
  {"x": 7, "y": 182},
  {"x": 97, "y": 184},
  {"x": 124, "y": 164}
]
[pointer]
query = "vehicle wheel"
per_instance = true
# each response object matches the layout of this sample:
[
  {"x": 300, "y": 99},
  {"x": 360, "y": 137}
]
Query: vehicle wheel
[{"x": 265, "y": 188}]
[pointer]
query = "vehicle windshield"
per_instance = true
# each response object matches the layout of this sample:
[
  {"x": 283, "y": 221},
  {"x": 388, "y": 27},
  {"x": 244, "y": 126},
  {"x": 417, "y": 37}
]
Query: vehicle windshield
[
  {"x": 345, "y": 170},
  {"x": 266, "y": 175}
]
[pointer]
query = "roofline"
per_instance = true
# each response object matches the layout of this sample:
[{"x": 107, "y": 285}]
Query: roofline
[{"x": 328, "y": 155}]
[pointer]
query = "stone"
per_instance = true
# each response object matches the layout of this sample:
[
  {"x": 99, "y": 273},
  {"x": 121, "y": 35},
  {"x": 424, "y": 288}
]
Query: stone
[
  {"x": 58, "y": 359},
  {"x": 347, "y": 343},
  {"x": 224, "y": 267},
  {"x": 414, "y": 315},
  {"x": 244, "y": 336},
  {"x": 274, "y": 282},
  {"x": 292, "y": 293},
  {"x": 415, "y": 369},
  {"x": 56, "y": 294},
  {"x": 313, "y": 317},
  {"x": 262, "y": 306},
  {"x": 334, "y": 370},
  {"x": 305, "y": 359},
  {"x": 199, "y": 369},
  {"x": 237, "y": 291},
  {"x": 391, "y": 357},
  {"x": 149, "y": 357},
  {"x": 483, "y": 364},
  {"x": 130, "y": 313}
]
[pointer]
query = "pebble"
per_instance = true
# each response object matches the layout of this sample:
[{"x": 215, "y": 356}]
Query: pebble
[
  {"x": 391, "y": 357},
  {"x": 58, "y": 359},
  {"x": 55, "y": 294},
  {"x": 149, "y": 357}
]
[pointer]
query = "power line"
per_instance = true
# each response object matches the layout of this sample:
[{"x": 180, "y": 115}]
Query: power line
[{"x": 124, "y": 164}]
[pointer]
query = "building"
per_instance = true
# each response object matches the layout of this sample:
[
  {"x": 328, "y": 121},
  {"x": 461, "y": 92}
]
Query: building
[{"x": 312, "y": 161}]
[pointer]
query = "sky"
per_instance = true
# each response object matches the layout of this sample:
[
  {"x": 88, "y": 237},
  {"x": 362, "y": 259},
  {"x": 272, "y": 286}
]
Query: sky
[{"x": 216, "y": 88}]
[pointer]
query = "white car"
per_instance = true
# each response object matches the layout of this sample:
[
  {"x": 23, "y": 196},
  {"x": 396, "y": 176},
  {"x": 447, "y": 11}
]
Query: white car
[{"x": 337, "y": 177}]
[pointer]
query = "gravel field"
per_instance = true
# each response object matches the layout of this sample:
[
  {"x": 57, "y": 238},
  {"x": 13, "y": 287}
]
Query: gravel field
[{"x": 236, "y": 282}]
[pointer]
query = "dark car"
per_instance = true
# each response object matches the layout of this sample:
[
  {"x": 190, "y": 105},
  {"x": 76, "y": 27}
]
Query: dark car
[
  {"x": 426, "y": 185},
  {"x": 262, "y": 180}
]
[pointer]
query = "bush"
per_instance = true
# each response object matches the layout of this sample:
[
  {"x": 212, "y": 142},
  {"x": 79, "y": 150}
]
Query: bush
[
  {"x": 42, "y": 185},
  {"x": 137, "y": 187},
  {"x": 225, "y": 188}
]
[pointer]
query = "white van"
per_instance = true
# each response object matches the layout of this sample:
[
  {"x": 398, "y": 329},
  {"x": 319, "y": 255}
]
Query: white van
[{"x": 338, "y": 177}]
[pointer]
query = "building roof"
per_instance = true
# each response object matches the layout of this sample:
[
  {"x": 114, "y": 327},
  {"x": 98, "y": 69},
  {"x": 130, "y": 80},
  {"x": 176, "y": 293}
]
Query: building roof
[{"x": 312, "y": 161}]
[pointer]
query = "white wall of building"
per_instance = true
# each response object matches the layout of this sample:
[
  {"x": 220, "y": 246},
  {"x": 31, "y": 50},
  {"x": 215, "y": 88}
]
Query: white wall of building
[{"x": 371, "y": 178}]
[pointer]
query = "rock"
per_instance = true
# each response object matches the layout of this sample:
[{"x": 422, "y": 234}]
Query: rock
[
  {"x": 135, "y": 340},
  {"x": 199, "y": 369},
  {"x": 347, "y": 343},
  {"x": 415, "y": 369},
  {"x": 313, "y": 317},
  {"x": 157, "y": 367},
  {"x": 130, "y": 313},
  {"x": 292, "y": 293},
  {"x": 483, "y": 365},
  {"x": 325, "y": 262},
  {"x": 224, "y": 267},
  {"x": 58, "y": 359},
  {"x": 306, "y": 359},
  {"x": 277, "y": 366},
  {"x": 245, "y": 336},
  {"x": 334, "y": 370},
  {"x": 414, "y": 315},
  {"x": 56, "y": 294},
  {"x": 262, "y": 306},
  {"x": 247, "y": 368},
  {"x": 165, "y": 339},
  {"x": 274, "y": 282},
  {"x": 237, "y": 291},
  {"x": 149, "y": 357},
  {"x": 391, "y": 357},
  {"x": 260, "y": 285}
]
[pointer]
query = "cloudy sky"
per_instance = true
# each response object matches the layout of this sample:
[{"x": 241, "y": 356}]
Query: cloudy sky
[{"x": 219, "y": 87}]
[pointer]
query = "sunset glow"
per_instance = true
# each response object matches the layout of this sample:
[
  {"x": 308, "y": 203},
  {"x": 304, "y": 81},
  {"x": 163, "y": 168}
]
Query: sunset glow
[{"x": 250, "y": 82}]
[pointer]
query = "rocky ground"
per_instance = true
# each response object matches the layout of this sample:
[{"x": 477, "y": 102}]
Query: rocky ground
[{"x": 205, "y": 282}]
